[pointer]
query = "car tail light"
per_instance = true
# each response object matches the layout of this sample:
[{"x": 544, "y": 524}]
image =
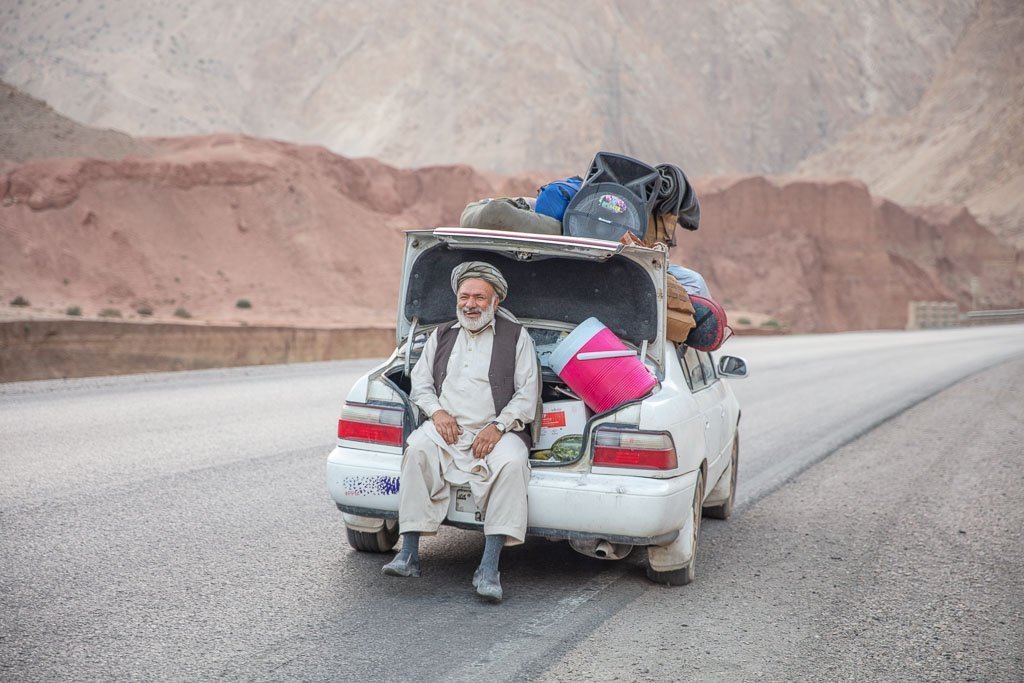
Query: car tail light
[
  {"x": 635, "y": 449},
  {"x": 373, "y": 424}
]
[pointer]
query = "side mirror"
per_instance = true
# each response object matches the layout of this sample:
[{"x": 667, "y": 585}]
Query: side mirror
[{"x": 732, "y": 366}]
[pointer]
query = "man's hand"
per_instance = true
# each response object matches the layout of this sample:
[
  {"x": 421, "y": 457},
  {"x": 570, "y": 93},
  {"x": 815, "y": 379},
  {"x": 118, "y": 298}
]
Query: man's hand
[
  {"x": 446, "y": 426},
  {"x": 484, "y": 442}
]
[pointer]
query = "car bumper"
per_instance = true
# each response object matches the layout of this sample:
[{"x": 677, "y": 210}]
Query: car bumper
[{"x": 561, "y": 504}]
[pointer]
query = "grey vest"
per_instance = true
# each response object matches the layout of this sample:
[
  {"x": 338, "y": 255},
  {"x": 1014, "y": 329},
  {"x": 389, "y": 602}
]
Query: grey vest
[{"x": 502, "y": 371}]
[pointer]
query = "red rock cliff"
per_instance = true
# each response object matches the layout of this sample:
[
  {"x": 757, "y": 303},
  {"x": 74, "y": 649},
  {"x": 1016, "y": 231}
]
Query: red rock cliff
[
  {"x": 309, "y": 236},
  {"x": 825, "y": 256}
]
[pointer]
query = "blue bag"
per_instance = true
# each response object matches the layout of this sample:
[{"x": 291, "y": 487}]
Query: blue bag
[{"x": 553, "y": 198}]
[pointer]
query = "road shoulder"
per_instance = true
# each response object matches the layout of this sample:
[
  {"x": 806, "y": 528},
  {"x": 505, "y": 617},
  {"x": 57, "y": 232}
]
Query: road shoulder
[{"x": 899, "y": 557}]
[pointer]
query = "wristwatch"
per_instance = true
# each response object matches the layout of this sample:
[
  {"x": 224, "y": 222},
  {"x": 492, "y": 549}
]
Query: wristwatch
[{"x": 501, "y": 428}]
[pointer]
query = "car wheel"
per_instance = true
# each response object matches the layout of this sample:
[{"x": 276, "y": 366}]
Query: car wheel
[
  {"x": 723, "y": 510},
  {"x": 380, "y": 542},
  {"x": 684, "y": 575}
]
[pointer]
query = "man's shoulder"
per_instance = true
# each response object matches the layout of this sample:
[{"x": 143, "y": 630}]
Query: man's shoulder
[
  {"x": 446, "y": 327},
  {"x": 519, "y": 329},
  {"x": 444, "y": 334},
  {"x": 508, "y": 326}
]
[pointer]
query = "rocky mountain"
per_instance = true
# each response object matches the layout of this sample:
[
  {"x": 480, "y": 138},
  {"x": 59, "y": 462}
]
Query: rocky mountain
[
  {"x": 714, "y": 87},
  {"x": 920, "y": 100},
  {"x": 30, "y": 129},
  {"x": 963, "y": 142},
  {"x": 310, "y": 237}
]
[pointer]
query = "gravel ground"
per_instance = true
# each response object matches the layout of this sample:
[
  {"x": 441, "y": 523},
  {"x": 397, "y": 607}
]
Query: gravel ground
[{"x": 900, "y": 557}]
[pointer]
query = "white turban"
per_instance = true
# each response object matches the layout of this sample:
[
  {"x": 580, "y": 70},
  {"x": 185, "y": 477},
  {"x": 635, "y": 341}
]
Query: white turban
[{"x": 480, "y": 271}]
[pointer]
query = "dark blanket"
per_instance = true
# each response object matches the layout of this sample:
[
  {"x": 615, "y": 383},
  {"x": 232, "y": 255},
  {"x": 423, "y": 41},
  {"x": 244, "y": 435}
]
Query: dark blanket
[{"x": 676, "y": 197}]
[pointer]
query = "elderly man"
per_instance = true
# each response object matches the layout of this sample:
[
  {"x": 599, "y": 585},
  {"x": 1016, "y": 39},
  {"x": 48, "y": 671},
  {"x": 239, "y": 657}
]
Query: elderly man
[{"x": 477, "y": 379}]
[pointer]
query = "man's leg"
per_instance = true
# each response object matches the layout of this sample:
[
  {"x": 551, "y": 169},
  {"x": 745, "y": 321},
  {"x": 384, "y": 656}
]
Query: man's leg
[
  {"x": 422, "y": 501},
  {"x": 407, "y": 561},
  {"x": 487, "y": 578},
  {"x": 503, "y": 497}
]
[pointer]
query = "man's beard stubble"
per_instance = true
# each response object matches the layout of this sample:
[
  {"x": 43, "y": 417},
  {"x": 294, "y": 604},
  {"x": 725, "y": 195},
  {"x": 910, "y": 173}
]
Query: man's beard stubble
[{"x": 486, "y": 316}]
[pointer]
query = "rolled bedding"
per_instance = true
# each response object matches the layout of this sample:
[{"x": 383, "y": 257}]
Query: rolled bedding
[{"x": 508, "y": 213}]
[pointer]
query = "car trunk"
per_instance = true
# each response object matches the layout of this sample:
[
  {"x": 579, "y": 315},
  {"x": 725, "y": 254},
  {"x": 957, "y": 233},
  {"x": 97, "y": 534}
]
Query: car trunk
[{"x": 554, "y": 284}]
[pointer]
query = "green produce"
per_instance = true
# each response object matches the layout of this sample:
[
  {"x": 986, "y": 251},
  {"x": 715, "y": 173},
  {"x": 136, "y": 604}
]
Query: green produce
[{"x": 567, "y": 447}]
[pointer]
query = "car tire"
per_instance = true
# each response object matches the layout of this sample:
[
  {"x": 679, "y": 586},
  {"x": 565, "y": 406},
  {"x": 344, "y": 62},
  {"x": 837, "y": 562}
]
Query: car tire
[
  {"x": 684, "y": 575},
  {"x": 723, "y": 510},
  {"x": 380, "y": 542}
]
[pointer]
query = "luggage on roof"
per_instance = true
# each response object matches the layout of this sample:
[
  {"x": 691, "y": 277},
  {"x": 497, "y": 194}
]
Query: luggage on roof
[
  {"x": 680, "y": 318},
  {"x": 507, "y": 213},
  {"x": 554, "y": 198},
  {"x": 616, "y": 197}
]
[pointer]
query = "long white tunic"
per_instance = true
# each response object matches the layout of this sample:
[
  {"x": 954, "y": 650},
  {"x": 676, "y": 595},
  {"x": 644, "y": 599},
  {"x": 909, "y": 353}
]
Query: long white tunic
[
  {"x": 466, "y": 393},
  {"x": 498, "y": 482}
]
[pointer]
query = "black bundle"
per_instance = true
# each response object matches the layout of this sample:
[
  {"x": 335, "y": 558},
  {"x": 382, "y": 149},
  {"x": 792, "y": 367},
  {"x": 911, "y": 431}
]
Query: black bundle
[{"x": 676, "y": 197}]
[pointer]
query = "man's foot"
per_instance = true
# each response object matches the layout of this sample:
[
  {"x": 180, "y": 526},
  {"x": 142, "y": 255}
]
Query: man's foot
[
  {"x": 487, "y": 587},
  {"x": 402, "y": 566}
]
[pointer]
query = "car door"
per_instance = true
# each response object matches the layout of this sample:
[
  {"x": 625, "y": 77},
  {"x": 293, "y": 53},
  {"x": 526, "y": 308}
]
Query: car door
[
  {"x": 718, "y": 415},
  {"x": 705, "y": 398}
]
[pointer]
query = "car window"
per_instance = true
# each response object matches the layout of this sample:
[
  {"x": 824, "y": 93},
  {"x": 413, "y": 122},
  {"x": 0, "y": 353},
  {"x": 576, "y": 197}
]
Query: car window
[
  {"x": 680, "y": 352},
  {"x": 691, "y": 366},
  {"x": 708, "y": 366}
]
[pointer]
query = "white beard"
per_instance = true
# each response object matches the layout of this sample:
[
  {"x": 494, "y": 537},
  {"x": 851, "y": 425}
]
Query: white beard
[{"x": 486, "y": 316}]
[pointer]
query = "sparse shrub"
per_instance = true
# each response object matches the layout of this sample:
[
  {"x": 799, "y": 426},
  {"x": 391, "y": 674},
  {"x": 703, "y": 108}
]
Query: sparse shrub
[
  {"x": 74, "y": 310},
  {"x": 181, "y": 313},
  {"x": 243, "y": 303},
  {"x": 772, "y": 323},
  {"x": 110, "y": 313},
  {"x": 144, "y": 310},
  {"x": 19, "y": 301},
  {"x": 743, "y": 321}
]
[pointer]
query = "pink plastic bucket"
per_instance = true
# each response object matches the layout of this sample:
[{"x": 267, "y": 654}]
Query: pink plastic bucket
[{"x": 602, "y": 382}]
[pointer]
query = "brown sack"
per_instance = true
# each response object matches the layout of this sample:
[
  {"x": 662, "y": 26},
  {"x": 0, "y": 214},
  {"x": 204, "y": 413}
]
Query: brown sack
[
  {"x": 680, "y": 312},
  {"x": 661, "y": 228}
]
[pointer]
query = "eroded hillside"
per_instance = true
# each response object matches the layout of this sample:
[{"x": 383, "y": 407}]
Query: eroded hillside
[
  {"x": 307, "y": 236},
  {"x": 963, "y": 143}
]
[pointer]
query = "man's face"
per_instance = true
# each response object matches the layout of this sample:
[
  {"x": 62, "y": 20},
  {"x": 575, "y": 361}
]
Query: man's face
[{"x": 474, "y": 304}]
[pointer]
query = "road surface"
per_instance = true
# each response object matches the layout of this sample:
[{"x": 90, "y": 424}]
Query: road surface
[{"x": 176, "y": 526}]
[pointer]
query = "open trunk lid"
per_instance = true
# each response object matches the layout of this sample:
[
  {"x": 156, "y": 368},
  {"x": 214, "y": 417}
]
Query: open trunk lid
[{"x": 556, "y": 281}]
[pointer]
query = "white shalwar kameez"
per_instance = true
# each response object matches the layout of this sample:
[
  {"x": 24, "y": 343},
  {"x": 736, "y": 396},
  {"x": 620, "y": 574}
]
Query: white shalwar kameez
[{"x": 498, "y": 481}]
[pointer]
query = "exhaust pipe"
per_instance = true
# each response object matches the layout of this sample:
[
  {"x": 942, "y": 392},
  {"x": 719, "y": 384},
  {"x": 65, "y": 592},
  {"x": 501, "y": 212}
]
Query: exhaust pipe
[{"x": 600, "y": 548}]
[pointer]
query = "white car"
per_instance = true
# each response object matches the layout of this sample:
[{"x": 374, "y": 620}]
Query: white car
[{"x": 646, "y": 468}]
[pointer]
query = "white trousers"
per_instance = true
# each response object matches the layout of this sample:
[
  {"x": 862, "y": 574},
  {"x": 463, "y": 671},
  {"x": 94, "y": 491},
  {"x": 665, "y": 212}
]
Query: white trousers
[{"x": 499, "y": 489}]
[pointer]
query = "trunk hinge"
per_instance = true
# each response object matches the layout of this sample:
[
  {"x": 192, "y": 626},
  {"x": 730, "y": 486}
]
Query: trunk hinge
[{"x": 408, "y": 347}]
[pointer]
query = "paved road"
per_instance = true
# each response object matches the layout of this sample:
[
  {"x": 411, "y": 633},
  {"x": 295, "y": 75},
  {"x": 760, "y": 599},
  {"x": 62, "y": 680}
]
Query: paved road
[
  {"x": 176, "y": 526},
  {"x": 898, "y": 558}
]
